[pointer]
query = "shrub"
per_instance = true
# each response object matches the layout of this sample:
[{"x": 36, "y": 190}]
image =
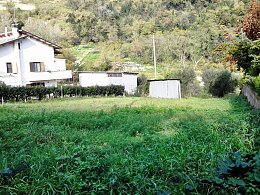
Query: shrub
[
  {"x": 22, "y": 93},
  {"x": 209, "y": 76},
  {"x": 223, "y": 84}
]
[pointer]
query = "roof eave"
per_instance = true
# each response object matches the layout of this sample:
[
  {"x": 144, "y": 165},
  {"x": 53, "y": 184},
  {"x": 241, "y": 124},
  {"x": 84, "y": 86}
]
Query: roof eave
[
  {"x": 13, "y": 40},
  {"x": 40, "y": 39}
]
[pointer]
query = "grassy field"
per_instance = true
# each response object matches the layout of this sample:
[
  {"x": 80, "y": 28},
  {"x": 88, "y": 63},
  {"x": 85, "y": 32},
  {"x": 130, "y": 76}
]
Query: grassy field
[{"x": 121, "y": 145}]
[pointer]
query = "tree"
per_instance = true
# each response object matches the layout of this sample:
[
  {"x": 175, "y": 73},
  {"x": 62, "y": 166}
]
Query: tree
[
  {"x": 251, "y": 25},
  {"x": 51, "y": 32},
  {"x": 223, "y": 84},
  {"x": 189, "y": 86},
  {"x": 246, "y": 54}
]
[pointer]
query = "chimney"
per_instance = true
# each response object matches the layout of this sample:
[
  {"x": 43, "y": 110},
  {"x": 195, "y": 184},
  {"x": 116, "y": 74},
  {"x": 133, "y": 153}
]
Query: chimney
[{"x": 15, "y": 31}]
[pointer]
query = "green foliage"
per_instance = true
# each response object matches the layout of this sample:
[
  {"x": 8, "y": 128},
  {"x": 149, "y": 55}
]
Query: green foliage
[
  {"x": 209, "y": 76},
  {"x": 105, "y": 65},
  {"x": 236, "y": 172},
  {"x": 246, "y": 53},
  {"x": 256, "y": 82},
  {"x": 70, "y": 59},
  {"x": 189, "y": 85},
  {"x": 23, "y": 93},
  {"x": 223, "y": 84},
  {"x": 185, "y": 30},
  {"x": 246, "y": 80}
]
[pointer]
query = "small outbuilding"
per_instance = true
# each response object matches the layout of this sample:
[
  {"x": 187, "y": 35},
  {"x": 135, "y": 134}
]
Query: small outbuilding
[
  {"x": 126, "y": 79},
  {"x": 167, "y": 88}
]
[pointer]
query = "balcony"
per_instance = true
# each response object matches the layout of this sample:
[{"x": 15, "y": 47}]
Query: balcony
[
  {"x": 50, "y": 75},
  {"x": 10, "y": 79}
]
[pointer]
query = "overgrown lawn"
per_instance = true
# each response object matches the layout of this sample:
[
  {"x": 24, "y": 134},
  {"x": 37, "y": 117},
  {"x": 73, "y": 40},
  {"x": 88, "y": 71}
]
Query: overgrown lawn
[{"x": 121, "y": 145}]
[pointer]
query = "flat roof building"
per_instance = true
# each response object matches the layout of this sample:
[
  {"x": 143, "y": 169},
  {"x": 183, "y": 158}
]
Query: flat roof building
[{"x": 126, "y": 79}]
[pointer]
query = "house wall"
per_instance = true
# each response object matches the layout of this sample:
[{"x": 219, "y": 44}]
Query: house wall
[
  {"x": 165, "y": 89},
  {"x": 60, "y": 64},
  {"x": 31, "y": 50},
  {"x": 10, "y": 53},
  {"x": 35, "y": 51}
]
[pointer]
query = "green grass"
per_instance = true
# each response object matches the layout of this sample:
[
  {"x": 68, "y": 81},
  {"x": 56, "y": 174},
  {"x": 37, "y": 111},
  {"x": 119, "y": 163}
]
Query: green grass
[
  {"x": 120, "y": 145},
  {"x": 79, "y": 50}
]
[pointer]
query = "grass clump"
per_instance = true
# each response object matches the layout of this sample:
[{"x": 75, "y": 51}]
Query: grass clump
[{"x": 121, "y": 145}]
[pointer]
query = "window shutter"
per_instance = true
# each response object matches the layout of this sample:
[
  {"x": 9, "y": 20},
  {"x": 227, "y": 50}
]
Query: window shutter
[
  {"x": 42, "y": 67},
  {"x": 14, "y": 68},
  {"x": 31, "y": 67}
]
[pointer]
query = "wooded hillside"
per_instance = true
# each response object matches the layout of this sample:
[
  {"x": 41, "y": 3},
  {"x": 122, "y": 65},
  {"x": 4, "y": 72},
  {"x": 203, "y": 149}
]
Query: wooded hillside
[{"x": 187, "y": 31}]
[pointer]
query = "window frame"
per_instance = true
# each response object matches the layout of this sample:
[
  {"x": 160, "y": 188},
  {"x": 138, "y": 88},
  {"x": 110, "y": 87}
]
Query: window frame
[
  {"x": 115, "y": 74},
  {"x": 37, "y": 67},
  {"x": 9, "y": 67}
]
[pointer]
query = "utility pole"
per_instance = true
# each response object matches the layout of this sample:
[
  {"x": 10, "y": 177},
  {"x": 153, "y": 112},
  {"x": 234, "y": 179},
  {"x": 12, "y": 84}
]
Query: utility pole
[{"x": 154, "y": 57}]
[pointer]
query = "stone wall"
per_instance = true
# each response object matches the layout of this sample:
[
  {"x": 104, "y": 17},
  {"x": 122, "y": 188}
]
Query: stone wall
[{"x": 251, "y": 96}]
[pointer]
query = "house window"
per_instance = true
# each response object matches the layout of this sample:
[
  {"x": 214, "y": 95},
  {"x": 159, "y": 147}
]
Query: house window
[
  {"x": 36, "y": 67},
  {"x": 9, "y": 67},
  {"x": 114, "y": 74}
]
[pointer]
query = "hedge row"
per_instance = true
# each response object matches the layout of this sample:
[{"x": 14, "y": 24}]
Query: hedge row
[{"x": 24, "y": 93}]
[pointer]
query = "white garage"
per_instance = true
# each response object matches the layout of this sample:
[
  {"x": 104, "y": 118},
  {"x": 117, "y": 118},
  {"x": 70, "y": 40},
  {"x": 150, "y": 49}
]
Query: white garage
[
  {"x": 168, "y": 88},
  {"x": 126, "y": 79}
]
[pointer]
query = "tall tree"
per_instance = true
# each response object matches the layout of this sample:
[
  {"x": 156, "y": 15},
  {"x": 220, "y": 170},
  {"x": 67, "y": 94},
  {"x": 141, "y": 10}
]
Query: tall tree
[{"x": 251, "y": 25}]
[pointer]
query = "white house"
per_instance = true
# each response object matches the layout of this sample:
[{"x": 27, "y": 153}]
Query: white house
[
  {"x": 29, "y": 60},
  {"x": 128, "y": 80},
  {"x": 168, "y": 88}
]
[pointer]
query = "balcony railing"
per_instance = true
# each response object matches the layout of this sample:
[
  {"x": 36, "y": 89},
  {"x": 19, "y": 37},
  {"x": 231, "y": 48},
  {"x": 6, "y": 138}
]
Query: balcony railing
[
  {"x": 50, "y": 75},
  {"x": 10, "y": 79}
]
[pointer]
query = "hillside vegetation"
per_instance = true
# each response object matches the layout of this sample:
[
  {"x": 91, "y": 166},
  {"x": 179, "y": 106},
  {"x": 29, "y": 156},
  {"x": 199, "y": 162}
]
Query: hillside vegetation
[
  {"x": 187, "y": 32},
  {"x": 128, "y": 145}
]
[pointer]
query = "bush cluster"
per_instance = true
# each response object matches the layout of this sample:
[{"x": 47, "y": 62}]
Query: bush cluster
[
  {"x": 218, "y": 82},
  {"x": 24, "y": 93}
]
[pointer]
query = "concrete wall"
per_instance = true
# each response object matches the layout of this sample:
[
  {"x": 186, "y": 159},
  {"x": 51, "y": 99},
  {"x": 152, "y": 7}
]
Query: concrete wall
[
  {"x": 129, "y": 81},
  {"x": 165, "y": 89},
  {"x": 251, "y": 96},
  {"x": 93, "y": 79}
]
